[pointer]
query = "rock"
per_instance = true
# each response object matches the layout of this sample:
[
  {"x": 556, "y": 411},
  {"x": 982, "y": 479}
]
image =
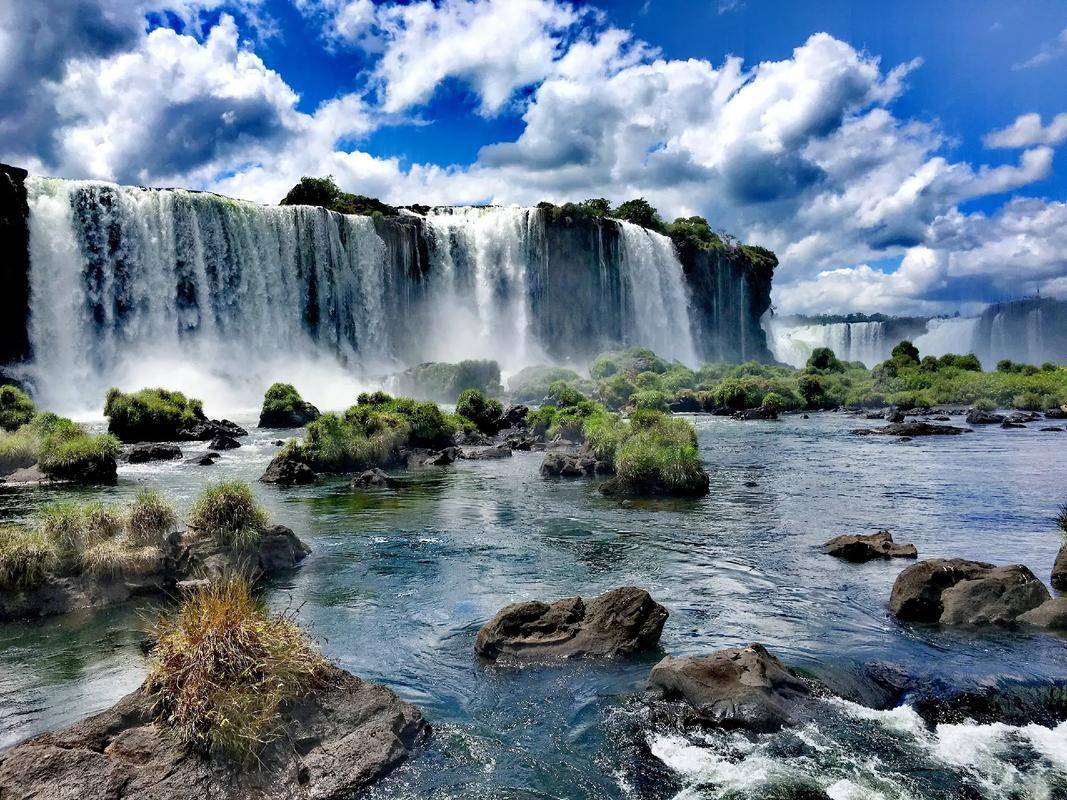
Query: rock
[
  {"x": 976, "y": 417},
  {"x": 617, "y": 623},
  {"x": 206, "y": 460},
  {"x": 1023, "y": 417},
  {"x": 286, "y": 470},
  {"x": 442, "y": 458},
  {"x": 1052, "y": 430},
  {"x": 280, "y": 550},
  {"x": 514, "y": 417},
  {"x": 472, "y": 439},
  {"x": 224, "y": 443},
  {"x": 1051, "y": 615},
  {"x": 520, "y": 442},
  {"x": 142, "y": 453},
  {"x": 278, "y": 442},
  {"x": 298, "y": 416},
  {"x": 561, "y": 463},
  {"x": 1056, "y": 413},
  {"x": 485, "y": 453},
  {"x": 959, "y": 592},
  {"x": 338, "y": 741},
  {"x": 912, "y": 429},
  {"x": 756, "y": 413},
  {"x": 372, "y": 478},
  {"x": 894, "y": 415},
  {"x": 211, "y": 429},
  {"x": 1008, "y": 424},
  {"x": 740, "y": 687},
  {"x": 686, "y": 404},
  {"x": 859, "y": 548},
  {"x": 1059, "y": 570}
]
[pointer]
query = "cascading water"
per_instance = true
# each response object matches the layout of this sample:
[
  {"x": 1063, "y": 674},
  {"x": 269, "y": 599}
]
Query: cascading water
[
  {"x": 948, "y": 335},
  {"x": 792, "y": 344},
  {"x": 134, "y": 287}
]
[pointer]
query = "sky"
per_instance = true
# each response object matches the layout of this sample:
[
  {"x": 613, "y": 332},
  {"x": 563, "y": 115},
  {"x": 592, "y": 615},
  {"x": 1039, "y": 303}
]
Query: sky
[{"x": 903, "y": 157}]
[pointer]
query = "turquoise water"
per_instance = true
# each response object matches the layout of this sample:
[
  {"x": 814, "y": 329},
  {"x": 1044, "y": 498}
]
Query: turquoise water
[{"x": 399, "y": 582}]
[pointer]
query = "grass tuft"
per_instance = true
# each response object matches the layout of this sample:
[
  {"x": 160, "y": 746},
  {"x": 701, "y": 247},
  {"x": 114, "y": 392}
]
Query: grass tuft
[
  {"x": 149, "y": 519},
  {"x": 26, "y": 557},
  {"x": 116, "y": 557},
  {"x": 229, "y": 511},
  {"x": 223, "y": 666}
]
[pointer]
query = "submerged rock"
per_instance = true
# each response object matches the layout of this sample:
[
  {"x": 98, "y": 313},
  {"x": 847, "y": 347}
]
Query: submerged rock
[
  {"x": 142, "y": 453},
  {"x": 339, "y": 740},
  {"x": 858, "y": 547},
  {"x": 910, "y": 429},
  {"x": 372, "y": 478},
  {"x": 485, "y": 453},
  {"x": 287, "y": 470},
  {"x": 206, "y": 460},
  {"x": 739, "y": 687},
  {"x": 617, "y": 623},
  {"x": 960, "y": 592},
  {"x": 224, "y": 443}
]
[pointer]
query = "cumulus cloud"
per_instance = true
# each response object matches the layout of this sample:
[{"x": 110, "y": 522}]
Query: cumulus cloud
[{"x": 1027, "y": 131}]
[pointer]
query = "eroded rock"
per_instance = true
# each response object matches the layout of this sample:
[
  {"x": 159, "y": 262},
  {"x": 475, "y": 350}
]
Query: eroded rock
[
  {"x": 485, "y": 453},
  {"x": 1050, "y": 615},
  {"x": 287, "y": 470},
  {"x": 617, "y": 623},
  {"x": 859, "y": 548},
  {"x": 372, "y": 479},
  {"x": 1059, "y": 570},
  {"x": 155, "y": 451}
]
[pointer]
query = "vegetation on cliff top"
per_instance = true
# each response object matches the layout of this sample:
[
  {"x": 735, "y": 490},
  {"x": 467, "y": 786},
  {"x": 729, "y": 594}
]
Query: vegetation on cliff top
[
  {"x": 223, "y": 666},
  {"x": 326, "y": 193}
]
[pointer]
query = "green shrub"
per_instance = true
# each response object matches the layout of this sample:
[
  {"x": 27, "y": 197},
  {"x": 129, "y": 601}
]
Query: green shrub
[
  {"x": 823, "y": 359},
  {"x": 484, "y": 412},
  {"x": 149, "y": 519},
  {"x": 18, "y": 450},
  {"x": 1030, "y": 401},
  {"x": 906, "y": 351},
  {"x": 26, "y": 557},
  {"x": 531, "y": 384},
  {"x": 604, "y": 433},
  {"x": 283, "y": 407},
  {"x": 773, "y": 402},
  {"x": 650, "y": 400},
  {"x": 75, "y": 527},
  {"x": 985, "y": 405},
  {"x": 615, "y": 391},
  {"x": 326, "y": 193},
  {"x": 16, "y": 408},
  {"x": 660, "y": 458},
  {"x": 445, "y": 382},
  {"x": 640, "y": 212},
  {"x": 150, "y": 414},
  {"x": 229, "y": 511},
  {"x": 223, "y": 667}
]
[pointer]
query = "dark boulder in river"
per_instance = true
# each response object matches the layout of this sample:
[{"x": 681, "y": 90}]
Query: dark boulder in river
[
  {"x": 287, "y": 470},
  {"x": 1051, "y": 615},
  {"x": 740, "y": 687},
  {"x": 338, "y": 742},
  {"x": 1059, "y": 570},
  {"x": 912, "y": 429},
  {"x": 224, "y": 442},
  {"x": 617, "y": 623},
  {"x": 969, "y": 593},
  {"x": 978, "y": 417},
  {"x": 858, "y": 547},
  {"x": 143, "y": 453},
  {"x": 372, "y": 478}
]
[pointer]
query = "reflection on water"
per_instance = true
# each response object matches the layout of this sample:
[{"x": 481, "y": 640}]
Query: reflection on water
[{"x": 400, "y": 580}]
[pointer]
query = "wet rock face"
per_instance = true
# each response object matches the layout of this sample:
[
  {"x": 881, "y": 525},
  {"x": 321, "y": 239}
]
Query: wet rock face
[
  {"x": 1059, "y": 570},
  {"x": 298, "y": 416},
  {"x": 573, "y": 464},
  {"x": 617, "y": 623},
  {"x": 968, "y": 593},
  {"x": 338, "y": 742},
  {"x": 740, "y": 687},
  {"x": 372, "y": 479},
  {"x": 977, "y": 417},
  {"x": 224, "y": 442},
  {"x": 485, "y": 453},
  {"x": 1050, "y": 615},
  {"x": 859, "y": 548},
  {"x": 285, "y": 470}
]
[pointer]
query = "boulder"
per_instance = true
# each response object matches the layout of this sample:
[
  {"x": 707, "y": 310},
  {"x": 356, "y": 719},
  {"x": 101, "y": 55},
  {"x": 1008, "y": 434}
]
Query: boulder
[
  {"x": 1056, "y": 413},
  {"x": 514, "y": 417},
  {"x": 561, "y": 463},
  {"x": 740, "y": 687},
  {"x": 894, "y": 415},
  {"x": 858, "y": 547},
  {"x": 910, "y": 429},
  {"x": 298, "y": 416},
  {"x": 472, "y": 439},
  {"x": 142, "y": 453},
  {"x": 286, "y": 470},
  {"x": 206, "y": 460},
  {"x": 211, "y": 429},
  {"x": 442, "y": 458},
  {"x": 485, "y": 453},
  {"x": 960, "y": 592},
  {"x": 617, "y": 623},
  {"x": 1052, "y": 429},
  {"x": 338, "y": 741},
  {"x": 1059, "y": 570},
  {"x": 224, "y": 442},
  {"x": 372, "y": 478},
  {"x": 1022, "y": 417},
  {"x": 1050, "y": 615},
  {"x": 756, "y": 413},
  {"x": 977, "y": 417},
  {"x": 520, "y": 442}
]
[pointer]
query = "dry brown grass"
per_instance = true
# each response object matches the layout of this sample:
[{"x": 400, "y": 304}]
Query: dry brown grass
[
  {"x": 26, "y": 557},
  {"x": 223, "y": 666},
  {"x": 118, "y": 557},
  {"x": 149, "y": 519}
]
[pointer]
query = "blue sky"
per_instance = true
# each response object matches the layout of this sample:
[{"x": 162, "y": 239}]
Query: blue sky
[{"x": 899, "y": 157}]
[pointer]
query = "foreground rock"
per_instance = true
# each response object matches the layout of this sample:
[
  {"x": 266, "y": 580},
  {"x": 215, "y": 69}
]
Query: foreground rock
[
  {"x": 143, "y": 453},
  {"x": 740, "y": 687},
  {"x": 617, "y": 623},
  {"x": 968, "y": 593},
  {"x": 186, "y": 559},
  {"x": 338, "y": 742},
  {"x": 1050, "y": 615},
  {"x": 285, "y": 470},
  {"x": 1059, "y": 570},
  {"x": 912, "y": 429},
  {"x": 860, "y": 548}
]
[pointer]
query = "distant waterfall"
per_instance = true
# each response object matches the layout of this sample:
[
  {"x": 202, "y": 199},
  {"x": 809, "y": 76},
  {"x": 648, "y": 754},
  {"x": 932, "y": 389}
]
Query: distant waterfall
[
  {"x": 948, "y": 335},
  {"x": 135, "y": 287},
  {"x": 851, "y": 341}
]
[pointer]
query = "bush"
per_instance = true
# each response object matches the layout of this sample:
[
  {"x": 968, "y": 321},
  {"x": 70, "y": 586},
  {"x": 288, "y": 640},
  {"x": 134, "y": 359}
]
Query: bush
[
  {"x": 150, "y": 415},
  {"x": 531, "y": 384},
  {"x": 326, "y": 193},
  {"x": 1061, "y": 518},
  {"x": 229, "y": 511},
  {"x": 484, "y": 412},
  {"x": 17, "y": 450},
  {"x": 604, "y": 434},
  {"x": 16, "y": 408},
  {"x": 906, "y": 351},
  {"x": 1030, "y": 401},
  {"x": 660, "y": 457},
  {"x": 650, "y": 400},
  {"x": 283, "y": 407},
  {"x": 823, "y": 359},
  {"x": 615, "y": 391},
  {"x": 640, "y": 212},
  {"x": 149, "y": 519},
  {"x": 773, "y": 402},
  {"x": 222, "y": 668},
  {"x": 26, "y": 557},
  {"x": 985, "y": 405},
  {"x": 75, "y": 527}
]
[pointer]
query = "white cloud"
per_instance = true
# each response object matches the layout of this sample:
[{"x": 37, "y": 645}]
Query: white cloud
[
  {"x": 1027, "y": 131},
  {"x": 1049, "y": 52}
]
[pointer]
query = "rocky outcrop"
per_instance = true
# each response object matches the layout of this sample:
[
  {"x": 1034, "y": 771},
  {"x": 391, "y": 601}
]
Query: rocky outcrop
[
  {"x": 372, "y": 479},
  {"x": 485, "y": 453},
  {"x": 1059, "y": 570},
  {"x": 859, "y": 548},
  {"x": 301, "y": 413},
  {"x": 617, "y": 623},
  {"x": 338, "y": 741},
  {"x": 910, "y": 429},
  {"x": 143, "y": 453},
  {"x": 978, "y": 417},
  {"x": 442, "y": 458},
  {"x": 224, "y": 442},
  {"x": 186, "y": 559},
  {"x": 756, "y": 413},
  {"x": 285, "y": 469},
  {"x": 1050, "y": 615},
  {"x": 740, "y": 687},
  {"x": 967, "y": 593},
  {"x": 573, "y": 463},
  {"x": 211, "y": 429}
]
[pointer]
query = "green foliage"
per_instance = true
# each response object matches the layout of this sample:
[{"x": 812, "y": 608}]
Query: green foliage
[
  {"x": 772, "y": 401},
  {"x": 61, "y": 448},
  {"x": 282, "y": 397},
  {"x": 1061, "y": 519},
  {"x": 229, "y": 511},
  {"x": 694, "y": 233},
  {"x": 531, "y": 384},
  {"x": 150, "y": 415},
  {"x": 484, "y": 412},
  {"x": 630, "y": 363},
  {"x": 16, "y": 408},
  {"x": 823, "y": 360},
  {"x": 905, "y": 351},
  {"x": 615, "y": 392},
  {"x": 26, "y": 557},
  {"x": 640, "y": 212},
  {"x": 326, "y": 193},
  {"x": 659, "y": 457},
  {"x": 650, "y": 400},
  {"x": 986, "y": 405},
  {"x": 444, "y": 382},
  {"x": 603, "y": 435},
  {"x": 149, "y": 519}
]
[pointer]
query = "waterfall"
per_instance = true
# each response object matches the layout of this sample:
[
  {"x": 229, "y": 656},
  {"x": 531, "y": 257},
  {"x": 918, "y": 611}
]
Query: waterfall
[
  {"x": 948, "y": 335},
  {"x": 793, "y": 343},
  {"x": 134, "y": 287}
]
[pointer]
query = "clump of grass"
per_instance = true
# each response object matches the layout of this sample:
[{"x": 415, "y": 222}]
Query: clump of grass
[
  {"x": 117, "y": 556},
  {"x": 150, "y": 414},
  {"x": 16, "y": 408},
  {"x": 149, "y": 519},
  {"x": 223, "y": 666},
  {"x": 483, "y": 411},
  {"x": 26, "y": 557},
  {"x": 229, "y": 511},
  {"x": 660, "y": 457},
  {"x": 61, "y": 448},
  {"x": 283, "y": 406},
  {"x": 18, "y": 450}
]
